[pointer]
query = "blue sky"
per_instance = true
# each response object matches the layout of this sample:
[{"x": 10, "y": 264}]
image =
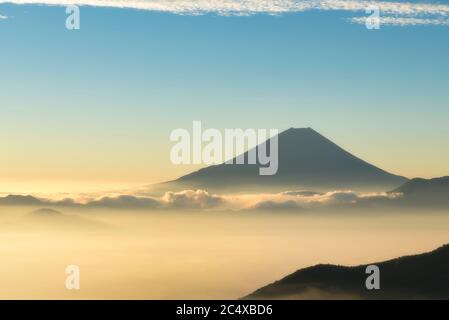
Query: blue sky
[{"x": 103, "y": 99}]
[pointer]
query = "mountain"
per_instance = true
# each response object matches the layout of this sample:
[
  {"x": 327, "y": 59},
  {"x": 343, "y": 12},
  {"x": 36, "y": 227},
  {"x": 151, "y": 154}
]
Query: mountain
[
  {"x": 53, "y": 218},
  {"x": 422, "y": 276},
  {"x": 420, "y": 192},
  {"x": 20, "y": 200},
  {"x": 422, "y": 187},
  {"x": 307, "y": 160},
  {"x": 46, "y": 212}
]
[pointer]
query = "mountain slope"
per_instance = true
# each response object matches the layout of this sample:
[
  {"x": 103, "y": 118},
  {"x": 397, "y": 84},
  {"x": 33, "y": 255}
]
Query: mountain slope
[
  {"x": 419, "y": 186},
  {"x": 306, "y": 160},
  {"x": 425, "y": 192},
  {"x": 422, "y": 276}
]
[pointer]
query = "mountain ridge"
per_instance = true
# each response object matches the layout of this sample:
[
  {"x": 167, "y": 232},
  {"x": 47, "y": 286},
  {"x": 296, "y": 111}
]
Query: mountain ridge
[
  {"x": 421, "y": 185},
  {"x": 419, "y": 192},
  {"x": 419, "y": 276}
]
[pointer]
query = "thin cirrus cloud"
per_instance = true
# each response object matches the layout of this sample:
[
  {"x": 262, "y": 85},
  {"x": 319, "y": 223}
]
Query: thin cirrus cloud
[
  {"x": 396, "y": 13},
  {"x": 403, "y": 21}
]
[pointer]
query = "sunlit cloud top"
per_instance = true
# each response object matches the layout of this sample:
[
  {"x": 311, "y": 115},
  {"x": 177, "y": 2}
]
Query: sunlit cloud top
[
  {"x": 394, "y": 13},
  {"x": 202, "y": 199}
]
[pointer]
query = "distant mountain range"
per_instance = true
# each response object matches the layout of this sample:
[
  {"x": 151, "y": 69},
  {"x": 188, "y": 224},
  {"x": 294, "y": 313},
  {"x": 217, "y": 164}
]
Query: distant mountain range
[
  {"x": 416, "y": 194},
  {"x": 422, "y": 187},
  {"x": 307, "y": 160},
  {"x": 423, "y": 276},
  {"x": 420, "y": 192}
]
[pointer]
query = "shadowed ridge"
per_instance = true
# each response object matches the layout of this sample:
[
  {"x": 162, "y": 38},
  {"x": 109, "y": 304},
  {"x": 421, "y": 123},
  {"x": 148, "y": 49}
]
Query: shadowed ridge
[
  {"x": 421, "y": 276},
  {"x": 431, "y": 193},
  {"x": 46, "y": 212},
  {"x": 13, "y": 199},
  {"x": 420, "y": 185}
]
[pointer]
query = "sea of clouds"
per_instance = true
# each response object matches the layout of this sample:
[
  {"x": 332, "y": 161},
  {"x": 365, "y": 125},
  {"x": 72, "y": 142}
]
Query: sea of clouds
[{"x": 204, "y": 200}]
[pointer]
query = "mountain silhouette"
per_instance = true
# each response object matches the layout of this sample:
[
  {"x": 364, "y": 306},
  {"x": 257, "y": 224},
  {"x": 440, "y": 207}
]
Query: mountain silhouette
[
  {"x": 420, "y": 192},
  {"x": 419, "y": 186},
  {"x": 307, "y": 160},
  {"x": 46, "y": 212},
  {"x": 422, "y": 276},
  {"x": 49, "y": 217},
  {"x": 20, "y": 200}
]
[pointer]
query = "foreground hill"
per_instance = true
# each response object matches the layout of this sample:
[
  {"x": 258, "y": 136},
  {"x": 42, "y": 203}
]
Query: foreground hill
[
  {"x": 423, "y": 276},
  {"x": 307, "y": 160}
]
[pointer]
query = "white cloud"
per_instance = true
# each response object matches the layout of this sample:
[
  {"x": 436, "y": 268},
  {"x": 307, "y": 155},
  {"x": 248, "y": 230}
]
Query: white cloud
[
  {"x": 402, "y": 22},
  {"x": 248, "y": 7},
  {"x": 291, "y": 200},
  {"x": 387, "y": 7},
  {"x": 3, "y": 17},
  {"x": 193, "y": 199},
  {"x": 203, "y": 200},
  {"x": 125, "y": 202},
  {"x": 275, "y": 206}
]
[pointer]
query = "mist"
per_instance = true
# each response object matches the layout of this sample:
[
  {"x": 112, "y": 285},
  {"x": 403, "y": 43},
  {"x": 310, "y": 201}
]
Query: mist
[{"x": 138, "y": 254}]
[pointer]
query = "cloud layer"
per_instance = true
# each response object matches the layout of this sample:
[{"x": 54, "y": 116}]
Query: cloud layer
[
  {"x": 398, "y": 12},
  {"x": 203, "y": 200}
]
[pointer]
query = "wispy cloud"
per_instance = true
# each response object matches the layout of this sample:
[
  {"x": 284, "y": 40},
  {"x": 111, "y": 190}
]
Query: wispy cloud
[
  {"x": 403, "y": 12},
  {"x": 3, "y": 17},
  {"x": 403, "y": 21}
]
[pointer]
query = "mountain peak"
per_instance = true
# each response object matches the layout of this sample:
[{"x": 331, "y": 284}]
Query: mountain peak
[
  {"x": 299, "y": 130},
  {"x": 306, "y": 160}
]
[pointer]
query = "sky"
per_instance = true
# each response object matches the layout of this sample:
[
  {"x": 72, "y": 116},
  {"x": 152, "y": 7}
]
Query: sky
[{"x": 94, "y": 108}]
